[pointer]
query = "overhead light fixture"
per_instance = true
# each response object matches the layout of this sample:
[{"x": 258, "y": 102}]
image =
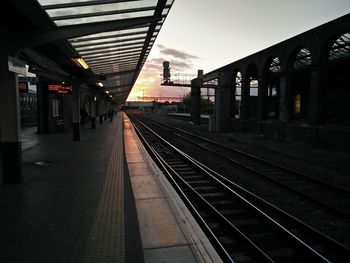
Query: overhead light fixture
[
  {"x": 100, "y": 84},
  {"x": 80, "y": 62},
  {"x": 107, "y": 91}
]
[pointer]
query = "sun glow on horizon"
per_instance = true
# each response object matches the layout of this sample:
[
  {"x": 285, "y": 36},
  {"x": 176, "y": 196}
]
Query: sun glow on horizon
[{"x": 148, "y": 85}]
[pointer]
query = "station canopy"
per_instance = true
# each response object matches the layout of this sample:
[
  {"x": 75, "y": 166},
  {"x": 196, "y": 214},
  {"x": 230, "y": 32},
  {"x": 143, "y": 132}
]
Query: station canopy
[{"x": 115, "y": 53}]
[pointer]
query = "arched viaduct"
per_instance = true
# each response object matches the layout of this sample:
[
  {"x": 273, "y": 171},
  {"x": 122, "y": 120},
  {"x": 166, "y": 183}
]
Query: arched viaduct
[{"x": 294, "y": 88}]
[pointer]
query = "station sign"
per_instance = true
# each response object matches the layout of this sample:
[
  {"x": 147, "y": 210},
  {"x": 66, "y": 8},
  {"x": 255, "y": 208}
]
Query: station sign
[
  {"x": 23, "y": 87},
  {"x": 16, "y": 65},
  {"x": 32, "y": 80},
  {"x": 60, "y": 88}
]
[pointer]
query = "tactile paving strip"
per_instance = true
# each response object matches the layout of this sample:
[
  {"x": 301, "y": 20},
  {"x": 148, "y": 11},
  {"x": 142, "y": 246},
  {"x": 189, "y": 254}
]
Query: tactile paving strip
[{"x": 106, "y": 240}]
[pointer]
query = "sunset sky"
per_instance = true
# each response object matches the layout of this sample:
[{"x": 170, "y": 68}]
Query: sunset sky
[{"x": 207, "y": 34}]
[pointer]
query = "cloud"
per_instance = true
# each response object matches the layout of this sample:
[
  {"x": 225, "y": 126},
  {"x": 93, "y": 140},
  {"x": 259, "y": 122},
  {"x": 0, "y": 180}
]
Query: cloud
[
  {"x": 180, "y": 61},
  {"x": 182, "y": 55},
  {"x": 149, "y": 81},
  {"x": 156, "y": 65}
]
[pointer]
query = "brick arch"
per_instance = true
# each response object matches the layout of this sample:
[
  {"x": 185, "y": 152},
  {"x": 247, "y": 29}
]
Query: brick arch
[
  {"x": 269, "y": 88},
  {"x": 299, "y": 66},
  {"x": 295, "y": 58},
  {"x": 272, "y": 65},
  {"x": 336, "y": 92},
  {"x": 251, "y": 70}
]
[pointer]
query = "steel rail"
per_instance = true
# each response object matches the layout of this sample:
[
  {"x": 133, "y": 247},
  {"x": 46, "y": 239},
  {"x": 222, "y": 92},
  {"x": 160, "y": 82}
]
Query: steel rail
[
  {"x": 228, "y": 189},
  {"x": 336, "y": 189}
]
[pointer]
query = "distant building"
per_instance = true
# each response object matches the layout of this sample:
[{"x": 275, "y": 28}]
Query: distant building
[{"x": 148, "y": 106}]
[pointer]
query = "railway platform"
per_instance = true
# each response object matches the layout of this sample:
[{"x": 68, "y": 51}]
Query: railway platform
[{"x": 98, "y": 200}]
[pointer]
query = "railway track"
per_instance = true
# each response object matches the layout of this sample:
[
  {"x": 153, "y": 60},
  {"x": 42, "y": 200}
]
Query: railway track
[
  {"x": 330, "y": 197},
  {"x": 242, "y": 226},
  {"x": 275, "y": 152}
]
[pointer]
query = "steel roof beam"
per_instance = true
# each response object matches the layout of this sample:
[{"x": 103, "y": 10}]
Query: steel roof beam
[
  {"x": 115, "y": 48},
  {"x": 113, "y": 53},
  {"x": 114, "y": 74},
  {"x": 82, "y": 40},
  {"x": 108, "y": 58},
  {"x": 36, "y": 37},
  {"x": 88, "y": 3},
  {"x": 112, "y": 61},
  {"x": 115, "y": 65},
  {"x": 105, "y": 13},
  {"x": 77, "y": 47},
  {"x": 148, "y": 43}
]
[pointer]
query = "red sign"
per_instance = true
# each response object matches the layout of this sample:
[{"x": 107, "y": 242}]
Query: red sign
[
  {"x": 54, "y": 87},
  {"x": 23, "y": 87},
  {"x": 65, "y": 90},
  {"x": 60, "y": 88}
]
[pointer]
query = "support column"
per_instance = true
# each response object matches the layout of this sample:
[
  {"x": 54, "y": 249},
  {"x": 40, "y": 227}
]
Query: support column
[
  {"x": 195, "y": 102},
  {"x": 317, "y": 96},
  {"x": 218, "y": 109},
  {"x": 93, "y": 113},
  {"x": 245, "y": 99},
  {"x": 262, "y": 99},
  {"x": 228, "y": 100},
  {"x": 99, "y": 110},
  {"x": 285, "y": 98},
  {"x": 76, "y": 113},
  {"x": 107, "y": 106},
  {"x": 11, "y": 146},
  {"x": 43, "y": 107}
]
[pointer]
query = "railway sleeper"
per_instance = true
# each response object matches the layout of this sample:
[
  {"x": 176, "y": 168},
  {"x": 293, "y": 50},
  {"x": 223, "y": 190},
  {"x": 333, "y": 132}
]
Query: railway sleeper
[
  {"x": 194, "y": 183},
  {"x": 291, "y": 182},
  {"x": 225, "y": 204},
  {"x": 205, "y": 189},
  {"x": 267, "y": 241},
  {"x": 268, "y": 170},
  {"x": 173, "y": 163},
  {"x": 173, "y": 160},
  {"x": 242, "y": 215},
  {"x": 191, "y": 176},
  {"x": 266, "y": 236},
  {"x": 283, "y": 254},
  {"x": 213, "y": 196},
  {"x": 235, "y": 249},
  {"x": 242, "y": 258},
  {"x": 331, "y": 199},
  {"x": 227, "y": 241},
  {"x": 214, "y": 226},
  {"x": 246, "y": 222},
  {"x": 162, "y": 151},
  {"x": 179, "y": 165},
  {"x": 235, "y": 246},
  {"x": 187, "y": 173},
  {"x": 232, "y": 212},
  {"x": 222, "y": 203},
  {"x": 300, "y": 184},
  {"x": 340, "y": 205},
  {"x": 183, "y": 169},
  {"x": 280, "y": 249}
]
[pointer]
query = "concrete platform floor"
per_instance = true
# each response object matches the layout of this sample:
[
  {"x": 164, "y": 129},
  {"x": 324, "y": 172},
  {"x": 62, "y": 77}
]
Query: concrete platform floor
[{"x": 90, "y": 201}]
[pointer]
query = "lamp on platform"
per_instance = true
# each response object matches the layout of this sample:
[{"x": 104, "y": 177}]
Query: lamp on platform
[{"x": 80, "y": 62}]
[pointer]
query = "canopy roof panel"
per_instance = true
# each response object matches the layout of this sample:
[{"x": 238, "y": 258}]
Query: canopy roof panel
[{"x": 110, "y": 53}]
